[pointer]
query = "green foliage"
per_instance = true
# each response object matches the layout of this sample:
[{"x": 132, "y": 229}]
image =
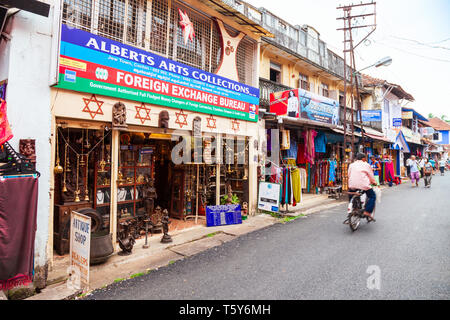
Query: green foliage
[
  {"x": 234, "y": 199},
  {"x": 118, "y": 280},
  {"x": 136, "y": 275}
]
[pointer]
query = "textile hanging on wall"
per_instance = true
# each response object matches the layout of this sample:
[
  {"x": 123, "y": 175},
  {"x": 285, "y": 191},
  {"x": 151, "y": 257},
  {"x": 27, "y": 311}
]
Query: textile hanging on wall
[
  {"x": 18, "y": 213},
  {"x": 5, "y": 130},
  {"x": 320, "y": 142},
  {"x": 285, "y": 140},
  {"x": 309, "y": 137},
  {"x": 296, "y": 185}
]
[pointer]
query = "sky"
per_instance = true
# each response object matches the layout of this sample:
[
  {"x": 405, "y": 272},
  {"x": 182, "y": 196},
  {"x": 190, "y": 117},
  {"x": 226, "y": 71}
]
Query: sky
[{"x": 414, "y": 33}]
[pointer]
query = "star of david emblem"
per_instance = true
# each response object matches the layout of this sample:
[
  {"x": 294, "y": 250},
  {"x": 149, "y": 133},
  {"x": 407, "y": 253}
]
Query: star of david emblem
[
  {"x": 88, "y": 110},
  {"x": 211, "y": 122},
  {"x": 138, "y": 113},
  {"x": 235, "y": 125},
  {"x": 183, "y": 122}
]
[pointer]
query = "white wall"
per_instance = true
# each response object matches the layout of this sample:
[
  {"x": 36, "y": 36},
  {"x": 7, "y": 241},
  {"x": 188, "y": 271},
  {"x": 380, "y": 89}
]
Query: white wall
[{"x": 28, "y": 97}]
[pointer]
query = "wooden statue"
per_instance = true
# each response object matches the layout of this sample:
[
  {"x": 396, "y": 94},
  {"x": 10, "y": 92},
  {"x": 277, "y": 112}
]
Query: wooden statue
[{"x": 119, "y": 113}]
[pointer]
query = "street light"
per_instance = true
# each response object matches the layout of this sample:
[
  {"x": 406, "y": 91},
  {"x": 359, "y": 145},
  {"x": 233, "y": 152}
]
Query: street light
[{"x": 386, "y": 61}]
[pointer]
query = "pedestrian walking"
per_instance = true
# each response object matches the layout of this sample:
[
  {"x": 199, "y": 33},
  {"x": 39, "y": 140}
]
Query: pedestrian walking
[
  {"x": 421, "y": 166},
  {"x": 427, "y": 171},
  {"x": 408, "y": 166},
  {"x": 376, "y": 167},
  {"x": 415, "y": 173},
  {"x": 442, "y": 166},
  {"x": 433, "y": 163}
]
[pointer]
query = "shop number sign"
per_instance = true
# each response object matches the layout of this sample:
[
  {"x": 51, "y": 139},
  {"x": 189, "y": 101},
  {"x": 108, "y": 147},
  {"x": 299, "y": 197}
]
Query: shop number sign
[
  {"x": 269, "y": 196},
  {"x": 80, "y": 246}
]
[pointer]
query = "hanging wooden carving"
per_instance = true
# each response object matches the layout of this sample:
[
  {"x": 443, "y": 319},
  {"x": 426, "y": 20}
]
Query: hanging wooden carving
[
  {"x": 163, "y": 121},
  {"x": 228, "y": 67},
  {"x": 27, "y": 148},
  {"x": 119, "y": 113}
]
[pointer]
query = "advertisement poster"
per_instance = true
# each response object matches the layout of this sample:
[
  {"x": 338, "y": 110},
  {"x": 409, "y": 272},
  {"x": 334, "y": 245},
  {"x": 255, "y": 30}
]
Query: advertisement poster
[
  {"x": 93, "y": 64},
  {"x": 269, "y": 196},
  {"x": 299, "y": 103}
]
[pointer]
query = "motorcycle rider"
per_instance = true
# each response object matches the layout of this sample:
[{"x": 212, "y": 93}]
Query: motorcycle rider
[{"x": 361, "y": 177}]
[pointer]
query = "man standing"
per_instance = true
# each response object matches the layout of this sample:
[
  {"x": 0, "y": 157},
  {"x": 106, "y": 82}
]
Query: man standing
[
  {"x": 360, "y": 177},
  {"x": 414, "y": 169}
]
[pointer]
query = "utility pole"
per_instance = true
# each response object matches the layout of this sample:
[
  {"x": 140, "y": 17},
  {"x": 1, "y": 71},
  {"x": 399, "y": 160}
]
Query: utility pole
[{"x": 350, "y": 23}]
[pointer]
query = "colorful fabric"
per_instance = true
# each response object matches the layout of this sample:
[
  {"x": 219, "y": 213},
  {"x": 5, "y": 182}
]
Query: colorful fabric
[
  {"x": 5, "y": 130},
  {"x": 309, "y": 137},
  {"x": 296, "y": 185},
  {"x": 320, "y": 142}
]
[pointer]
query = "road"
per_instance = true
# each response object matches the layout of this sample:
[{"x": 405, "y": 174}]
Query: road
[{"x": 405, "y": 254}]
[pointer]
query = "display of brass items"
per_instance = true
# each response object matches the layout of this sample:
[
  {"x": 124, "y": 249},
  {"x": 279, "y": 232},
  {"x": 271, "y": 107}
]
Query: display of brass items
[
  {"x": 229, "y": 169},
  {"x": 245, "y": 177},
  {"x": 58, "y": 168},
  {"x": 102, "y": 165},
  {"x": 77, "y": 192},
  {"x": 86, "y": 190},
  {"x": 82, "y": 162},
  {"x": 67, "y": 165}
]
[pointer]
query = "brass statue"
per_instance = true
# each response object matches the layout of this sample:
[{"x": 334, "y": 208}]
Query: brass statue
[{"x": 165, "y": 223}]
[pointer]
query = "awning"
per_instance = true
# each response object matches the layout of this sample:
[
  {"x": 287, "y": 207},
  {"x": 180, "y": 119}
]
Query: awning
[
  {"x": 400, "y": 143},
  {"x": 349, "y": 133},
  {"x": 226, "y": 8},
  {"x": 379, "y": 138}
]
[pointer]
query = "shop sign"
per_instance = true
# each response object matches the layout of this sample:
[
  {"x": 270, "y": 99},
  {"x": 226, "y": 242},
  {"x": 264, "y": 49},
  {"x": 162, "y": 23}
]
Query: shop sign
[
  {"x": 223, "y": 215},
  {"x": 407, "y": 114},
  {"x": 299, "y": 103},
  {"x": 371, "y": 115},
  {"x": 396, "y": 122},
  {"x": 90, "y": 63},
  {"x": 80, "y": 246},
  {"x": 269, "y": 196}
]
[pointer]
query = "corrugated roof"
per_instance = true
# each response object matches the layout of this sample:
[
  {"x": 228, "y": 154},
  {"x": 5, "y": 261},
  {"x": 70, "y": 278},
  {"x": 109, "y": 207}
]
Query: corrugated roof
[
  {"x": 439, "y": 124},
  {"x": 369, "y": 81}
]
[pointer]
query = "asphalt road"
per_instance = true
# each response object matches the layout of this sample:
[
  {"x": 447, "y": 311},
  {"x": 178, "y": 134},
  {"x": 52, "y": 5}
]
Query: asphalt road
[{"x": 404, "y": 255}]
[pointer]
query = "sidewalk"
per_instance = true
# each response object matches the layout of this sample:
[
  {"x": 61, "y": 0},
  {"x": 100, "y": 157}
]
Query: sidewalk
[{"x": 185, "y": 243}]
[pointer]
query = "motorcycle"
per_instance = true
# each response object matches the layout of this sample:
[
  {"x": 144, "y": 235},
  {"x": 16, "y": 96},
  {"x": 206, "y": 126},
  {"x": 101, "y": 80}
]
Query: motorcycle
[{"x": 355, "y": 209}]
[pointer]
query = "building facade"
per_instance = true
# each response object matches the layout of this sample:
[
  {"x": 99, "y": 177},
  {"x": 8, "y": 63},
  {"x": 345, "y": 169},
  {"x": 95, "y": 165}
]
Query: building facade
[{"x": 136, "y": 107}]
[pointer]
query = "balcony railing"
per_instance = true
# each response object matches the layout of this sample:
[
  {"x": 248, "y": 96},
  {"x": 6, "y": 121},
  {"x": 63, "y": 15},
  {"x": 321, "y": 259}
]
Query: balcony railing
[{"x": 266, "y": 87}]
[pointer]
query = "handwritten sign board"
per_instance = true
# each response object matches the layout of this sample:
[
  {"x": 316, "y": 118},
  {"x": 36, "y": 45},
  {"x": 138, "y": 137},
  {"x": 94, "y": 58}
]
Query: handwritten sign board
[
  {"x": 269, "y": 196},
  {"x": 80, "y": 245}
]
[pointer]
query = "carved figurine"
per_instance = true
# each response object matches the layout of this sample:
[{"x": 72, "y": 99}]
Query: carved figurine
[
  {"x": 126, "y": 239},
  {"x": 155, "y": 220},
  {"x": 119, "y": 113},
  {"x": 165, "y": 223},
  {"x": 164, "y": 120},
  {"x": 27, "y": 148}
]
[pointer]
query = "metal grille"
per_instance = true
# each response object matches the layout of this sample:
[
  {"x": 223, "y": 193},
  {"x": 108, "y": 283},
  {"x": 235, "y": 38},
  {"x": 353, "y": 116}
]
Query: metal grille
[
  {"x": 78, "y": 13},
  {"x": 137, "y": 12},
  {"x": 194, "y": 53},
  {"x": 111, "y": 19},
  {"x": 245, "y": 57},
  {"x": 126, "y": 21},
  {"x": 158, "y": 35}
]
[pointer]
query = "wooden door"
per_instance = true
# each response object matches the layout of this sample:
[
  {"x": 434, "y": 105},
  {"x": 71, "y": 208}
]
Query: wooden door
[{"x": 177, "y": 194}]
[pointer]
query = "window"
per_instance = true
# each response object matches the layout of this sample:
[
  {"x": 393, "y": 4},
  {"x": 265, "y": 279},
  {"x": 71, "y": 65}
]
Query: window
[
  {"x": 282, "y": 26},
  {"x": 275, "y": 72},
  {"x": 303, "y": 38},
  {"x": 341, "y": 99},
  {"x": 436, "y": 136},
  {"x": 325, "y": 90},
  {"x": 152, "y": 26},
  {"x": 304, "y": 84}
]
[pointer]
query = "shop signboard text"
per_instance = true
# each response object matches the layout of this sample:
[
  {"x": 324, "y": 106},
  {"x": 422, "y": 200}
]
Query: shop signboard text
[{"x": 90, "y": 63}]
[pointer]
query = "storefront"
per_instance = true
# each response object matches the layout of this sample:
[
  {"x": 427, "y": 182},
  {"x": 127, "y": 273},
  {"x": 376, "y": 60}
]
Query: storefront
[
  {"x": 309, "y": 143},
  {"x": 138, "y": 135}
]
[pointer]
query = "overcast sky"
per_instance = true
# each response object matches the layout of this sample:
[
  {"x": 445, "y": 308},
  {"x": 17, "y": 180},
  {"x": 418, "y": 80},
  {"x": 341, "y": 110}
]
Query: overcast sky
[{"x": 415, "y": 33}]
